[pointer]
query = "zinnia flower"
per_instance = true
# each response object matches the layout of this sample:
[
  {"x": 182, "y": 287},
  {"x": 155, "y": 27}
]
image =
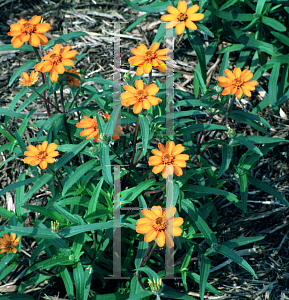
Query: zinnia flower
[
  {"x": 157, "y": 223},
  {"x": 141, "y": 97},
  {"x": 26, "y": 81},
  {"x": 29, "y": 31},
  {"x": 168, "y": 159},
  {"x": 146, "y": 58},
  {"x": 55, "y": 60},
  {"x": 91, "y": 130},
  {"x": 41, "y": 154},
  {"x": 8, "y": 243},
  {"x": 117, "y": 128},
  {"x": 71, "y": 80},
  {"x": 182, "y": 17},
  {"x": 237, "y": 82}
]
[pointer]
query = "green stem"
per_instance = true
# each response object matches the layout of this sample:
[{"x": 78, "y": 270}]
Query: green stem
[
  {"x": 45, "y": 99},
  {"x": 150, "y": 78}
]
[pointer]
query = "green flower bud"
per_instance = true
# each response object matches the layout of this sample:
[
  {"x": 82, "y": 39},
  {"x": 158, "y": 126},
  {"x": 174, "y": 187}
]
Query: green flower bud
[
  {"x": 92, "y": 150},
  {"x": 231, "y": 133},
  {"x": 156, "y": 287},
  {"x": 127, "y": 77},
  {"x": 219, "y": 89}
]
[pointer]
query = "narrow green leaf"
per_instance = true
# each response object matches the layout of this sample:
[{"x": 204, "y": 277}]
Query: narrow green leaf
[
  {"x": 30, "y": 231},
  {"x": 236, "y": 258},
  {"x": 259, "y": 6},
  {"x": 273, "y": 23},
  {"x": 176, "y": 295},
  {"x": 244, "y": 141},
  {"x": 152, "y": 8},
  {"x": 5, "y": 214},
  {"x": 227, "y": 154},
  {"x": 26, "y": 66},
  {"x": 78, "y": 173},
  {"x": 11, "y": 113},
  {"x": 200, "y": 127},
  {"x": 94, "y": 198},
  {"x": 284, "y": 39},
  {"x": 24, "y": 123},
  {"x": 243, "y": 190},
  {"x": 67, "y": 282},
  {"x": 105, "y": 163},
  {"x": 145, "y": 130},
  {"x": 134, "y": 24},
  {"x": 16, "y": 185},
  {"x": 78, "y": 275},
  {"x": 51, "y": 120},
  {"x": 64, "y": 38},
  {"x": 204, "y": 274},
  {"x": 225, "y": 61},
  {"x": 273, "y": 84},
  {"x": 268, "y": 189},
  {"x": 225, "y": 15},
  {"x": 87, "y": 277},
  {"x": 16, "y": 297},
  {"x": 201, "y": 82},
  {"x": 11, "y": 48},
  {"x": 242, "y": 241}
]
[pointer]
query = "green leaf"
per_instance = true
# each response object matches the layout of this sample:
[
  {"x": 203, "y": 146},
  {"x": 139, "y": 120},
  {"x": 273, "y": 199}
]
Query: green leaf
[
  {"x": 227, "y": 154},
  {"x": 16, "y": 297},
  {"x": 26, "y": 66},
  {"x": 236, "y": 258},
  {"x": 243, "y": 190},
  {"x": 225, "y": 61},
  {"x": 242, "y": 241},
  {"x": 284, "y": 39},
  {"x": 160, "y": 34},
  {"x": 87, "y": 277},
  {"x": 11, "y": 48},
  {"x": 105, "y": 163},
  {"x": 145, "y": 130},
  {"x": 67, "y": 282},
  {"x": 78, "y": 173},
  {"x": 11, "y": 113},
  {"x": 30, "y": 231},
  {"x": 197, "y": 279},
  {"x": 273, "y": 23},
  {"x": 5, "y": 214},
  {"x": 47, "y": 212},
  {"x": 201, "y": 82},
  {"x": 152, "y": 8},
  {"x": 273, "y": 84},
  {"x": 204, "y": 274},
  {"x": 78, "y": 275},
  {"x": 259, "y": 6},
  {"x": 68, "y": 156},
  {"x": 242, "y": 114},
  {"x": 64, "y": 38},
  {"x": 37, "y": 185},
  {"x": 94, "y": 198},
  {"x": 244, "y": 141},
  {"x": 134, "y": 24},
  {"x": 16, "y": 185},
  {"x": 52, "y": 119},
  {"x": 25, "y": 122},
  {"x": 225, "y": 15},
  {"x": 268, "y": 189},
  {"x": 200, "y": 127},
  {"x": 201, "y": 224},
  {"x": 176, "y": 295},
  {"x": 138, "y": 296},
  {"x": 74, "y": 230}
]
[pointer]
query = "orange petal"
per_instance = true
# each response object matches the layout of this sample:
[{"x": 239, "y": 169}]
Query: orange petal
[
  {"x": 191, "y": 25},
  {"x": 139, "y": 84},
  {"x": 229, "y": 74},
  {"x": 180, "y": 27},
  {"x": 144, "y": 228},
  {"x": 192, "y": 9},
  {"x": 148, "y": 214},
  {"x": 161, "y": 238},
  {"x": 42, "y": 27},
  {"x": 157, "y": 210},
  {"x": 196, "y": 17},
  {"x": 34, "y": 40},
  {"x": 35, "y": 20},
  {"x": 169, "y": 18},
  {"x": 137, "y": 108},
  {"x": 150, "y": 235},
  {"x": 170, "y": 145},
  {"x": 173, "y": 10},
  {"x": 157, "y": 169},
  {"x": 152, "y": 89}
]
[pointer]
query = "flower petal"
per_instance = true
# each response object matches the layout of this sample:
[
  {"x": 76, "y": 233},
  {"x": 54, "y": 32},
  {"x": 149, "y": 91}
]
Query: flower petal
[
  {"x": 148, "y": 214},
  {"x": 150, "y": 235},
  {"x": 182, "y": 6},
  {"x": 161, "y": 238}
]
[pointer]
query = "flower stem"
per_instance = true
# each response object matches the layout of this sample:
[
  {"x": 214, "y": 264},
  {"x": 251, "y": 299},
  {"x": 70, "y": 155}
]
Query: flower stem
[
  {"x": 44, "y": 81},
  {"x": 150, "y": 77},
  {"x": 45, "y": 99}
]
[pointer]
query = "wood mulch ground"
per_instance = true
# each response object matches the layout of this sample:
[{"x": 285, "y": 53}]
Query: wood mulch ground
[{"x": 265, "y": 216}]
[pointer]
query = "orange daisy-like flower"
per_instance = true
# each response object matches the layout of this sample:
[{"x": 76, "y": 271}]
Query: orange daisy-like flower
[
  {"x": 168, "y": 160},
  {"x": 141, "y": 97},
  {"x": 237, "y": 82},
  {"x": 157, "y": 223},
  {"x": 29, "y": 31},
  {"x": 55, "y": 60},
  {"x": 117, "y": 129},
  {"x": 182, "y": 17},
  {"x": 71, "y": 80},
  {"x": 26, "y": 81},
  {"x": 41, "y": 154},
  {"x": 8, "y": 243},
  {"x": 146, "y": 58},
  {"x": 92, "y": 131}
]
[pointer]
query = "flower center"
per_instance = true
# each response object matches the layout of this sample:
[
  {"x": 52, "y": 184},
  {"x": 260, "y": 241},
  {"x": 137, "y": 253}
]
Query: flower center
[
  {"x": 141, "y": 95},
  {"x": 160, "y": 224},
  {"x": 182, "y": 17},
  {"x": 55, "y": 58},
  {"x": 9, "y": 246},
  {"x": 239, "y": 82},
  {"x": 167, "y": 158},
  {"x": 150, "y": 55},
  {"x": 42, "y": 155},
  {"x": 28, "y": 27}
]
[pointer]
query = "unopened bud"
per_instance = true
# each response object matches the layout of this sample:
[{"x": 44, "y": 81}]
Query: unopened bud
[
  {"x": 231, "y": 133},
  {"x": 127, "y": 77},
  {"x": 92, "y": 150}
]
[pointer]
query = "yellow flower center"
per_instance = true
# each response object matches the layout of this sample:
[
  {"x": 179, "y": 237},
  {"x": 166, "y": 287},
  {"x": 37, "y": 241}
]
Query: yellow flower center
[
  {"x": 182, "y": 17},
  {"x": 239, "y": 82},
  {"x": 28, "y": 27},
  {"x": 42, "y": 154},
  {"x": 167, "y": 158},
  {"x": 55, "y": 58},
  {"x": 150, "y": 55},
  {"x": 160, "y": 224},
  {"x": 141, "y": 95}
]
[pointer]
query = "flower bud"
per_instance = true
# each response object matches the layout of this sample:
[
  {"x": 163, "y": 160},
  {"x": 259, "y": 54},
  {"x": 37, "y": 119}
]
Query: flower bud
[{"x": 231, "y": 133}]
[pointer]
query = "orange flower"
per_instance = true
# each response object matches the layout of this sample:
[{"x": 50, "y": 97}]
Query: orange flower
[
  {"x": 91, "y": 130},
  {"x": 142, "y": 97},
  {"x": 26, "y": 81},
  {"x": 55, "y": 60},
  {"x": 170, "y": 157},
  {"x": 182, "y": 17},
  {"x": 41, "y": 154},
  {"x": 8, "y": 243},
  {"x": 145, "y": 58},
  {"x": 71, "y": 80},
  {"x": 29, "y": 31},
  {"x": 237, "y": 82},
  {"x": 117, "y": 128},
  {"x": 157, "y": 222}
]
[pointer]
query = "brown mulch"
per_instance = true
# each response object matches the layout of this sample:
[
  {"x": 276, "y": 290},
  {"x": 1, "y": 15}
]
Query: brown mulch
[{"x": 265, "y": 216}]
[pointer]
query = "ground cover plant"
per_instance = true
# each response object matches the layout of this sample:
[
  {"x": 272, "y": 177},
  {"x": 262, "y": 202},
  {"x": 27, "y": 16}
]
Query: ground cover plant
[{"x": 138, "y": 169}]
